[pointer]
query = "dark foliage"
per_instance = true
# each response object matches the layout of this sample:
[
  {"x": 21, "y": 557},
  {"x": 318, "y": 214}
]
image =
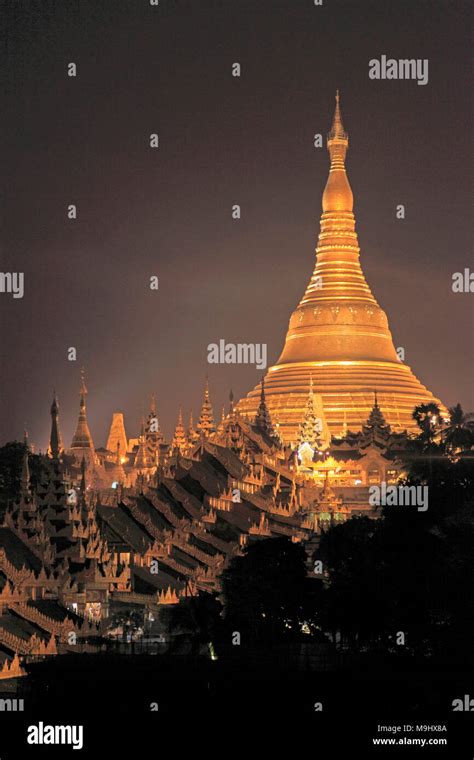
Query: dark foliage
[
  {"x": 11, "y": 458},
  {"x": 267, "y": 594}
]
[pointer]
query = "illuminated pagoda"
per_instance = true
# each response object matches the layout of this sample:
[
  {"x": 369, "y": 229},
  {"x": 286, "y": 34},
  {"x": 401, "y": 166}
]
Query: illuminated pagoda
[
  {"x": 117, "y": 440},
  {"x": 206, "y": 425},
  {"x": 82, "y": 444},
  {"x": 338, "y": 334}
]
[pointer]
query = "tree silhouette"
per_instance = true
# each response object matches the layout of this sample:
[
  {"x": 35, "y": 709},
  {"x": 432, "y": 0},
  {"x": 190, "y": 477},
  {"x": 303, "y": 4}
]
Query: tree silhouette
[
  {"x": 410, "y": 571},
  {"x": 11, "y": 457},
  {"x": 458, "y": 433},
  {"x": 267, "y": 595},
  {"x": 428, "y": 418}
]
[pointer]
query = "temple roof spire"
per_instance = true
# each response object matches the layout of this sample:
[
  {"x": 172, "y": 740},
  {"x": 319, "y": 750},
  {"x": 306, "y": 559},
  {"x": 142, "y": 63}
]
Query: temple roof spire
[
  {"x": 179, "y": 439},
  {"x": 206, "y": 418},
  {"x": 142, "y": 460},
  {"x": 263, "y": 420},
  {"x": 193, "y": 435},
  {"x": 82, "y": 438}
]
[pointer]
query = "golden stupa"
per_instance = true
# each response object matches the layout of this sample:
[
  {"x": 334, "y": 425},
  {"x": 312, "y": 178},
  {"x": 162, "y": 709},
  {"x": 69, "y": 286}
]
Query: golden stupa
[{"x": 339, "y": 335}]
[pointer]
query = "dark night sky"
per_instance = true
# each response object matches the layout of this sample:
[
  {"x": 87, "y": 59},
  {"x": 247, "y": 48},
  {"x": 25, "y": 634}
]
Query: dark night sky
[{"x": 222, "y": 141}]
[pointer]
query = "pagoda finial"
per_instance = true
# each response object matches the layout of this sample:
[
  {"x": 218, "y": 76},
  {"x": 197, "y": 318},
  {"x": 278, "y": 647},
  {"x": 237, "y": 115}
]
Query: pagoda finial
[
  {"x": 337, "y": 194},
  {"x": 337, "y": 129},
  {"x": 83, "y": 390}
]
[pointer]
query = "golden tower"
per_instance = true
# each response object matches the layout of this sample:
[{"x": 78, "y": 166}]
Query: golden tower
[
  {"x": 339, "y": 334},
  {"x": 117, "y": 435}
]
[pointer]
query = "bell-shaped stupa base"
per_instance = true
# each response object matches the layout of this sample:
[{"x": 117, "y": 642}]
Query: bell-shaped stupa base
[{"x": 347, "y": 391}]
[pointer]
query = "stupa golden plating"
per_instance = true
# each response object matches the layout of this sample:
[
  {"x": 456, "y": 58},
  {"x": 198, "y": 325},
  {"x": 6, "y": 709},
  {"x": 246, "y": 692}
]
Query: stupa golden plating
[{"x": 339, "y": 334}]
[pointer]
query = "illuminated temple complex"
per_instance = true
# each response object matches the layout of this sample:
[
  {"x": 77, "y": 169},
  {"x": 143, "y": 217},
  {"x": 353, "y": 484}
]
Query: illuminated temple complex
[
  {"x": 298, "y": 455},
  {"x": 338, "y": 334},
  {"x": 79, "y": 546}
]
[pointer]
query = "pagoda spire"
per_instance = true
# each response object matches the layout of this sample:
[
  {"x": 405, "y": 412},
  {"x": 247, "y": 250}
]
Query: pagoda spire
[
  {"x": 154, "y": 436},
  {"x": 55, "y": 442},
  {"x": 376, "y": 418},
  {"x": 263, "y": 420},
  {"x": 222, "y": 423},
  {"x": 179, "y": 439},
  {"x": 82, "y": 438},
  {"x": 337, "y": 131},
  {"x": 193, "y": 435},
  {"x": 206, "y": 418},
  {"x": 142, "y": 461},
  {"x": 153, "y": 422},
  {"x": 313, "y": 429}
]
